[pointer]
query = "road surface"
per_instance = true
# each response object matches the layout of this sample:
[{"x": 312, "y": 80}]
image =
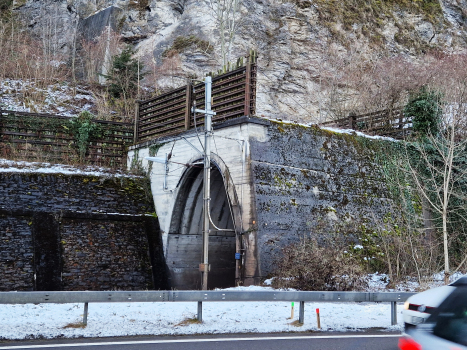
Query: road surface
[{"x": 296, "y": 341}]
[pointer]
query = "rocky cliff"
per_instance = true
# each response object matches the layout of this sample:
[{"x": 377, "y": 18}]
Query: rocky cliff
[{"x": 298, "y": 40}]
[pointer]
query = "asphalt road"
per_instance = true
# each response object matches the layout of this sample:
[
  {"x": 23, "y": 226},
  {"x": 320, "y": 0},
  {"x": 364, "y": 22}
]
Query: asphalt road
[{"x": 317, "y": 341}]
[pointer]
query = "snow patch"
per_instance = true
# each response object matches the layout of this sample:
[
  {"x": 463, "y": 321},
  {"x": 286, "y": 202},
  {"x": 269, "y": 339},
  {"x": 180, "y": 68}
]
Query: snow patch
[{"x": 10, "y": 166}]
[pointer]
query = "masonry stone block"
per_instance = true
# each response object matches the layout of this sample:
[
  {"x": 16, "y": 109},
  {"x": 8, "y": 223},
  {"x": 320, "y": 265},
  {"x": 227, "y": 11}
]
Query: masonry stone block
[{"x": 78, "y": 232}]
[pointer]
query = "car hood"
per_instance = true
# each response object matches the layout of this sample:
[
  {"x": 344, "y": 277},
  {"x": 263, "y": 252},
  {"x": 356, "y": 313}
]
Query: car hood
[{"x": 431, "y": 297}]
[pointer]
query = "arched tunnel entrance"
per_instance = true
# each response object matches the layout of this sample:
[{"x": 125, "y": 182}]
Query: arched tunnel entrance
[{"x": 184, "y": 243}]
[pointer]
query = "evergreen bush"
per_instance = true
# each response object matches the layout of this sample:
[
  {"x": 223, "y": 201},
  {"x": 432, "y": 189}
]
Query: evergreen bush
[
  {"x": 424, "y": 107},
  {"x": 124, "y": 74}
]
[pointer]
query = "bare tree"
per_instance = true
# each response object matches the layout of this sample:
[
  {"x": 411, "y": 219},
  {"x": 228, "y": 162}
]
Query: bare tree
[
  {"x": 227, "y": 15},
  {"x": 97, "y": 53},
  {"x": 439, "y": 170}
]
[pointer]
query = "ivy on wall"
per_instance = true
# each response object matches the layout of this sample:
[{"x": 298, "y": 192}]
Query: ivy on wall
[
  {"x": 43, "y": 137},
  {"x": 83, "y": 128},
  {"x": 424, "y": 107}
]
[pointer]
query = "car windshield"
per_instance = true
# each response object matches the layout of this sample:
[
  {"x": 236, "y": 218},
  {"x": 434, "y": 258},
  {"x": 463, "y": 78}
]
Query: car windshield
[{"x": 451, "y": 317}]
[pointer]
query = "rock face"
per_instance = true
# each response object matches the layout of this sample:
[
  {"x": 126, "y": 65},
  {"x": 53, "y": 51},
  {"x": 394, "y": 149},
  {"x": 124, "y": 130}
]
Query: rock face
[{"x": 294, "y": 39}]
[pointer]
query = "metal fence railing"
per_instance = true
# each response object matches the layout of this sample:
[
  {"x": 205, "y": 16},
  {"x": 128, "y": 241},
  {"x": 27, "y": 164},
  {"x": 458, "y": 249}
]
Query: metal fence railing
[{"x": 204, "y": 296}]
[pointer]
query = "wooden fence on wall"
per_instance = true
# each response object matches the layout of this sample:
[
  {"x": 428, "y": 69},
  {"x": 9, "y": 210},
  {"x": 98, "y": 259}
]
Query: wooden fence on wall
[
  {"x": 383, "y": 123},
  {"x": 47, "y": 137},
  {"x": 233, "y": 93}
]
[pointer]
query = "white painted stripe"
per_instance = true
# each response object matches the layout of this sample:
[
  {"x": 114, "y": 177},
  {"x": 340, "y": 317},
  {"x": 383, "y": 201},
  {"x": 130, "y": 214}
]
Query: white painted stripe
[{"x": 199, "y": 341}]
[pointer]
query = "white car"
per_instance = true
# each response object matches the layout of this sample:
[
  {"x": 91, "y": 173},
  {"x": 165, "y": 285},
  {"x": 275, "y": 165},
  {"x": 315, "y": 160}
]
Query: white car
[
  {"x": 420, "y": 306},
  {"x": 446, "y": 328}
]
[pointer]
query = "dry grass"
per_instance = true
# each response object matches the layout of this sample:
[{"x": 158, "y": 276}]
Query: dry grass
[
  {"x": 75, "y": 325},
  {"x": 188, "y": 321},
  {"x": 370, "y": 17},
  {"x": 296, "y": 323},
  {"x": 373, "y": 11}
]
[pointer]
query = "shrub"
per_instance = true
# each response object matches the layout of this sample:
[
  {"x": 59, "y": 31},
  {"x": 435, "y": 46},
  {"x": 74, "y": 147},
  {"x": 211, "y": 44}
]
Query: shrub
[
  {"x": 424, "y": 107},
  {"x": 124, "y": 75},
  {"x": 182, "y": 43},
  {"x": 5, "y": 5},
  {"x": 83, "y": 128},
  {"x": 305, "y": 265}
]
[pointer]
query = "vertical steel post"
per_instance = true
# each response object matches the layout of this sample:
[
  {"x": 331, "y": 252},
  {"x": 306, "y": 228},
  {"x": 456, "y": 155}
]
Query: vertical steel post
[
  {"x": 393, "y": 313},
  {"x": 301, "y": 314},
  {"x": 188, "y": 99},
  {"x": 135, "y": 131},
  {"x": 166, "y": 166},
  {"x": 246, "y": 109},
  {"x": 200, "y": 311},
  {"x": 85, "y": 314},
  {"x": 206, "y": 181}
]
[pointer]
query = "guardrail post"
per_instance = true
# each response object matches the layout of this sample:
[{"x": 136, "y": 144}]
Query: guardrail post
[
  {"x": 85, "y": 314},
  {"x": 301, "y": 314},
  {"x": 393, "y": 313},
  {"x": 200, "y": 311}
]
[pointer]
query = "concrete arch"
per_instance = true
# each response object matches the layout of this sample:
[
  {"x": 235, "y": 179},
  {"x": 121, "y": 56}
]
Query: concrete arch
[{"x": 184, "y": 244}]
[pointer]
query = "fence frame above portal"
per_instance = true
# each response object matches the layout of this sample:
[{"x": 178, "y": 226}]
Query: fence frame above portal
[{"x": 233, "y": 94}]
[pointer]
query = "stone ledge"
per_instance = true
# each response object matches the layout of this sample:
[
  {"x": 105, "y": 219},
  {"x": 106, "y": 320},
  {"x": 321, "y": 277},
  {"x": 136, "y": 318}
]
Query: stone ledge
[
  {"x": 77, "y": 215},
  {"x": 216, "y": 126}
]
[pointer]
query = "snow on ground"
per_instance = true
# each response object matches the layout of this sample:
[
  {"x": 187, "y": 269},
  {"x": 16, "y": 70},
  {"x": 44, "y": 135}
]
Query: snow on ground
[
  {"x": 11, "y": 166},
  {"x": 59, "y": 98},
  {"x": 335, "y": 130},
  {"x": 122, "y": 319},
  {"x": 358, "y": 133}
]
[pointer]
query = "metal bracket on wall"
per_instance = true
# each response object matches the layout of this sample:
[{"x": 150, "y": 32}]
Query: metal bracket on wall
[{"x": 192, "y": 146}]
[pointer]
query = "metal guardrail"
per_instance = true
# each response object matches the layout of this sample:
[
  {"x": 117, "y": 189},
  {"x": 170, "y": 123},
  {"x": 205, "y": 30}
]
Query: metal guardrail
[{"x": 204, "y": 296}]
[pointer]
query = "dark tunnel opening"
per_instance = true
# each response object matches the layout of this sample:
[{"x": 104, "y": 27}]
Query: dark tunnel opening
[{"x": 184, "y": 244}]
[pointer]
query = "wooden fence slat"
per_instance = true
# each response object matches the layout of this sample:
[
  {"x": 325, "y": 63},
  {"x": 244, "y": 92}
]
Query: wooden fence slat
[
  {"x": 239, "y": 86},
  {"x": 40, "y": 139},
  {"x": 167, "y": 104},
  {"x": 233, "y": 92},
  {"x": 180, "y": 108},
  {"x": 384, "y": 123},
  {"x": 180, "y": 124}
]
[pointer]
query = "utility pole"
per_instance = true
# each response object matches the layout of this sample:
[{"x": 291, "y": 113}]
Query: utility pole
[{"x": 204, "y": 267}]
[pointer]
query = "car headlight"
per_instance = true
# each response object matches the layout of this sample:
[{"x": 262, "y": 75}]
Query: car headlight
[{"x": 406, "y": 305}]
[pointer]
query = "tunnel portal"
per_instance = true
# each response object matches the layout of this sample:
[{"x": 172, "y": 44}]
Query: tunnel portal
[{"x": 184, "y": 244}]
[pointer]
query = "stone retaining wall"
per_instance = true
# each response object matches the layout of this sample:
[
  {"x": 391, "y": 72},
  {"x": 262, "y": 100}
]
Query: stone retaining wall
[
  {"x": 78, "y": 232},
  {"x": 307, "y": 180}
]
